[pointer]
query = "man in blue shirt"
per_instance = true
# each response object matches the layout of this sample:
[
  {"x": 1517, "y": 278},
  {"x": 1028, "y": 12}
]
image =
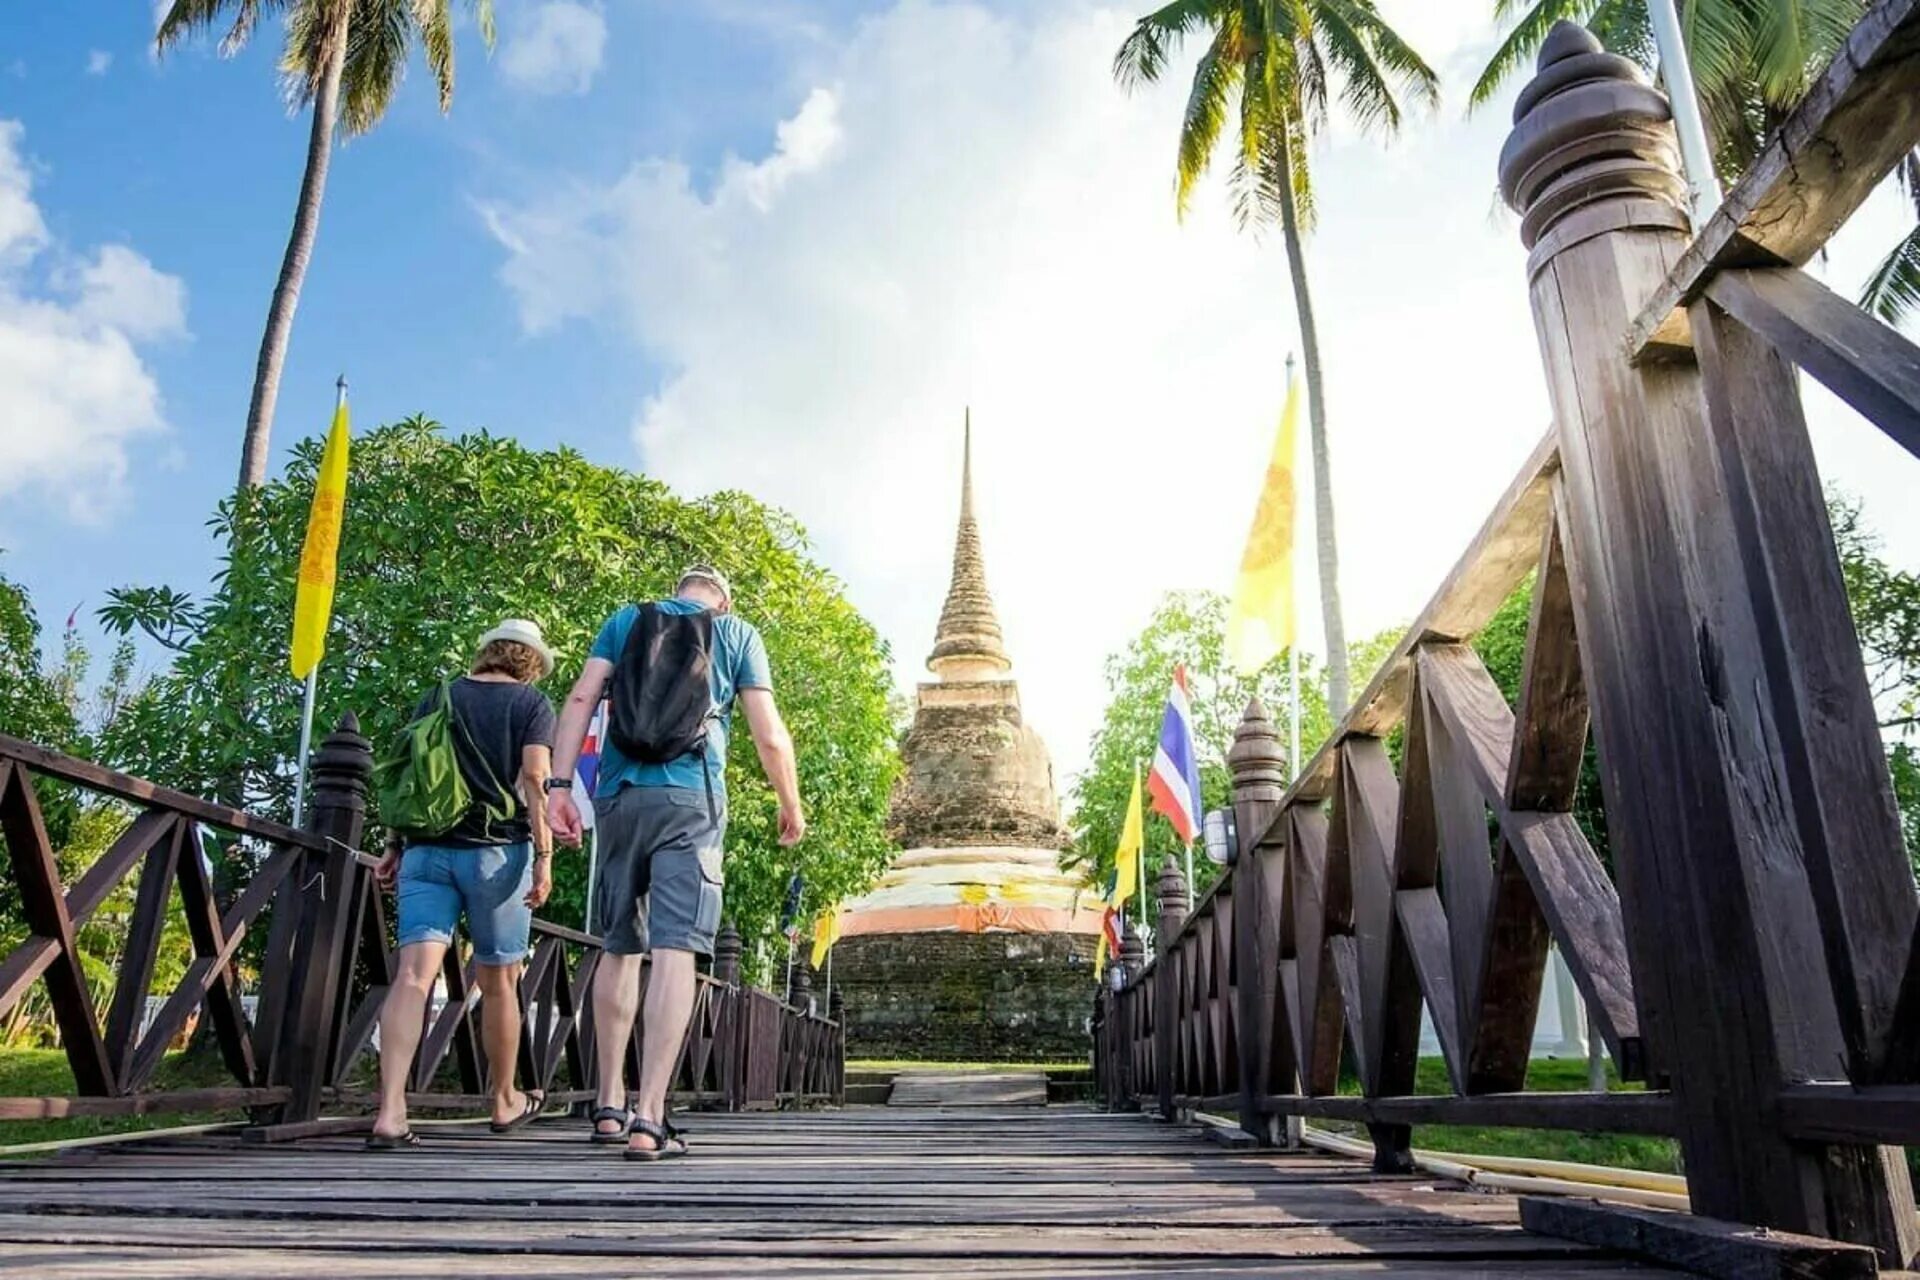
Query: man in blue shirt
[{"x": 659, "y": 829}]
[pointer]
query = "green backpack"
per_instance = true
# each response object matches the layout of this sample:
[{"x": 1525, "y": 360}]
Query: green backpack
[{"x": 421, "y": 790}]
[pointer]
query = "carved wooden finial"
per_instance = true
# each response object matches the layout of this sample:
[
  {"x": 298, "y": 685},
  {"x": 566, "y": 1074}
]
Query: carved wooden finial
[
  {"x": 726, "y": 954},
  {"x": 1133, "y": 951},
  {"x": 1258, "y": 764},
  {"x": 1589, "y": 131},
  {"x": 1171, "y": 890},
  {"x": 342, "y": 767}
]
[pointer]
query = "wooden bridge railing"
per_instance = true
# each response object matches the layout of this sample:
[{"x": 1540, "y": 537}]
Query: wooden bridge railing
[
  {"x": 325, "y": 969},
  {"x": 1753, "y": 957}
]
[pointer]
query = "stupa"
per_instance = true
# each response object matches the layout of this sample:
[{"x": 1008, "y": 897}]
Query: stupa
[{"x": 975, "y": 945}]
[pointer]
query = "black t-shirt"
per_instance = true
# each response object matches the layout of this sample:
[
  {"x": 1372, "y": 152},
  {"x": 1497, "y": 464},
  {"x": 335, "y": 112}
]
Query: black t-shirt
[{"x": 497, "y": 718}]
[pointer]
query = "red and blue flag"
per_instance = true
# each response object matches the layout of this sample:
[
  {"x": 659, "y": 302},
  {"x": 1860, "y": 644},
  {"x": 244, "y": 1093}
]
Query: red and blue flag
[{"x": 1174, "y": 782}]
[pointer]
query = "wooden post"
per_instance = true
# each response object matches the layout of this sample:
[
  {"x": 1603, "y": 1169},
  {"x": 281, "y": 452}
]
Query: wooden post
[
  {"x": 1730, "y": 965},
  {"x": 317, "y": 981},
  {"x": 837, "y": 1010},
  {"x": 1259, "y": 781},
  {"x": 1126, "y": 1008},
  {"x": 1171, "y": 892},
  {"x": 730, "y": 1034}
]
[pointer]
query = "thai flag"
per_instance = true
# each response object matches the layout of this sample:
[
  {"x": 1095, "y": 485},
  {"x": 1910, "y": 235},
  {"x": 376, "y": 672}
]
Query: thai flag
[
  {"x": 586, "y": 770},
  {"x": 1111, "y": 926},
  {"x": 1174, "y": 782}
]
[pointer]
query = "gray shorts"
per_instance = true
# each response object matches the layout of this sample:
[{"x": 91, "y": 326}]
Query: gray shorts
[{"x": 659, "y": 873}]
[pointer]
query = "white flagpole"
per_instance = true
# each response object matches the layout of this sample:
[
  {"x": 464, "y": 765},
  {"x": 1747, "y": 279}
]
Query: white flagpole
[
  {"x": 1189, "y": 861},
  {"x": 1696, "y": 153},
  {"x": 306, "y": 746},
  {"x": 1293, "y": 711}
]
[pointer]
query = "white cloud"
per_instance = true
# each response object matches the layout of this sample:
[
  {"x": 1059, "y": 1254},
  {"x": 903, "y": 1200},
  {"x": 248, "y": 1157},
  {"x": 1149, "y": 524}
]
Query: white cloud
[
  {"x": 973, "y": 213},
  {"x": 74, "y": 390},
  {"x": 98, "y": 60},
  {"x": 556, "y": 48}
]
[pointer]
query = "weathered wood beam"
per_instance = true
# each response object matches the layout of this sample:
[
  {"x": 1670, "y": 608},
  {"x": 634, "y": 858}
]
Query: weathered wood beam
[
  {"x": 1701, "y": 1246},
  {"x": 216, "y": 1099},
  {"x": 1844, "y": 138},
  {"x": 1625, "y": 1112},
  {"x": 138, "y": 791},
  {"x": 1855, "y": 356},
  {"x": 1841, "y": 1113}
]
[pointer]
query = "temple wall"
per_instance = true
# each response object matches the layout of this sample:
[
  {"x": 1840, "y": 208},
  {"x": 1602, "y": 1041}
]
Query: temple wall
[{"x": 967, "y": 997}]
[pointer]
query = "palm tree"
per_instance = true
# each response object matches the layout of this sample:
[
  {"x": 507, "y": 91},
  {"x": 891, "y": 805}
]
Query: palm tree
[
  {"x": 1286, "y": 62},
  {"x": 343, "y": 59},
  {"x": 1753, "y": 60}
]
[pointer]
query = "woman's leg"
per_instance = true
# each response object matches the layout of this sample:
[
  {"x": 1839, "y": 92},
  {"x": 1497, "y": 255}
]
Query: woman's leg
[
  {"x": 493, "y": 887},
  {"x": 402, "y": 1020}
]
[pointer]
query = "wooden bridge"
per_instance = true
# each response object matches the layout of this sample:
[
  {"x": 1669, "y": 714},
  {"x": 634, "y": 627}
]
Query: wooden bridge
[{"x": 1750, "y": 956}]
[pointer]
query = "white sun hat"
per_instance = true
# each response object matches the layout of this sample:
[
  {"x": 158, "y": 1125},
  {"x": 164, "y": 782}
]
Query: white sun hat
[{"x": 521, "y": 631}]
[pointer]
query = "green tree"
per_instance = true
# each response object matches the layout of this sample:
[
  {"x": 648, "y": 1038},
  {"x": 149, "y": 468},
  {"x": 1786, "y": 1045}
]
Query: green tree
[
  {"x": 1752, "y": 60},
  {"x": 443, "y": 537},
  {"x": 1285, "y": 62},
  {"x": 343, "y": 59},
  {"x": 1187, "y": 627}
]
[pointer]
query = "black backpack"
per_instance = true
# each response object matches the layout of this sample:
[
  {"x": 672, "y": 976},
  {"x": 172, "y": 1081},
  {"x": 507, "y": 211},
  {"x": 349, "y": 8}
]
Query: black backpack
[{"x": 661, "y": 695}]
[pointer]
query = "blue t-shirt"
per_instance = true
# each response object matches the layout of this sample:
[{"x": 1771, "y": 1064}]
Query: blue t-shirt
[{"x": 739, "y": 662}]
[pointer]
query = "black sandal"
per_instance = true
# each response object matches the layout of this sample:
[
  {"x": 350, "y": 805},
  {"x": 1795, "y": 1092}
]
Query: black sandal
[
  {"x": 533, "y": 1102},
  {"x": 392, "y": 1141},
  {"x": 661, "y": 1140},
  {"x": 623, "y": 1116},
  {"x": 676, "y": 1134}
]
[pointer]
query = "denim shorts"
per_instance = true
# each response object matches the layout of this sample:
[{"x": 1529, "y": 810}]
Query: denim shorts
[
  {"x": 659, "y": 877},
  {"x": 490, "y": 884}
]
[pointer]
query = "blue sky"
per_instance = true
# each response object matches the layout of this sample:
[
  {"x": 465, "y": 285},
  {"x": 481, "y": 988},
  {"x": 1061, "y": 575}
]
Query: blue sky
[{"x": 779, "y": 245}]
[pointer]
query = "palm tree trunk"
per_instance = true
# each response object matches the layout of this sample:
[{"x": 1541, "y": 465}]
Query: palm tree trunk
[
  {"x": 293, "y": 269},
  {"x": 1327, "y": 551}
]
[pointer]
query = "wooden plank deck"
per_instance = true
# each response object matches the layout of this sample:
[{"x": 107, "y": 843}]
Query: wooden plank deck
[{"x": 863, "y": 1192}]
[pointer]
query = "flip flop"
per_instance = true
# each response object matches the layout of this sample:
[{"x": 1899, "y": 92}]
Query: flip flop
[
  {"x": 621, "y": 1115},
  {"x": 666, "y": 1146},
  {"x": 533, "y": 1104},
  {"x": 392, "y": 1141}
]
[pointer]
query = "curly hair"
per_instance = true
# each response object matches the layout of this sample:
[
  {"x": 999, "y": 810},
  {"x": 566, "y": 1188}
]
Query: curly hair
[{"x": 509, "y": 658}]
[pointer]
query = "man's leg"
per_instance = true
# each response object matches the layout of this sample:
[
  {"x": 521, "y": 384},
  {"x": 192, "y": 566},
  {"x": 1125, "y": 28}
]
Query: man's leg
[
  {"x": 670, "y": 990},
  {"x": 500, "y": 1030},
  {"x": 616, "y": 998},
  {"x": 401, "y": 1020}
]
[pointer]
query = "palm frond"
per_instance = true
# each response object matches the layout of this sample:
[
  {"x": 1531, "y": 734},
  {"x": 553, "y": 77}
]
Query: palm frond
[
  {"x": 1622, "y": 27},
  {"x": 482, "y": 11},
  {"x": 1524, "y": 41},
  {"x": 434, "y": 20},
  {"x": 186, "y": 18},
  {"x": 1721, "y": 47},
  {"x": 1214, "y": 79},
  {"x": 1410, "y": 72},
  {"x": 1792, "y": 39},
  {"x": 1893, "y": 291},
  {"x": 1143, "y": 54},
  {"x": 377, "y": 45}
]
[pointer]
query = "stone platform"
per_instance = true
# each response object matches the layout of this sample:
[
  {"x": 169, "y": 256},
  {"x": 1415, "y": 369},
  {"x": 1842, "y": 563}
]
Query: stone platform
[{"x": 967, "y": 997}]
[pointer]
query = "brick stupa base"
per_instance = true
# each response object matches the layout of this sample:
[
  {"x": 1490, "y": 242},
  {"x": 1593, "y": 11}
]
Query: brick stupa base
[{"x": 967, "y": 997}]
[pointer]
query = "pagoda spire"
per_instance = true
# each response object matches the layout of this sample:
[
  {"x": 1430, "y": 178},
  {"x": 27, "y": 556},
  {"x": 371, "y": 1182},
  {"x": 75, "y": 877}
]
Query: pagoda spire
[{"x": 967, "y": 644}]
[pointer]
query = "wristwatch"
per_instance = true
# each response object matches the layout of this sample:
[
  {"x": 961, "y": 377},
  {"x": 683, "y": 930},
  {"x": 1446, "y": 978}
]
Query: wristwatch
[{"x": 557, "y": 784}]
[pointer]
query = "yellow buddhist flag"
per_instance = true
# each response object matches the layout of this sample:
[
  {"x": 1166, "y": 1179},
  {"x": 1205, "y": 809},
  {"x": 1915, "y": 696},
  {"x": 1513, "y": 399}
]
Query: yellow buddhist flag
[
  {"x": 313, "y": 597},
  {"x": 826, "y": 932},
  {"x": 1126, "y": 856},
  {"x": 1260, "y": 621}
]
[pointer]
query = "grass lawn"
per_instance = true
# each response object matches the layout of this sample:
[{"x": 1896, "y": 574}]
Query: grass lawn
[
  {"x": 1620, "y": 1150},
  {"x": 43, "y": 1073}
]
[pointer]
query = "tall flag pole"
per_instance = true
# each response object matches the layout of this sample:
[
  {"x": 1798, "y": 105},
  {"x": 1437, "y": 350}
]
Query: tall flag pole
[
  {"x": 1260, "y": 621},
  {"x": 1696, "y": 153},
  {"x": 1175, "y": 779},
  {"x": 313, "y": 594}
]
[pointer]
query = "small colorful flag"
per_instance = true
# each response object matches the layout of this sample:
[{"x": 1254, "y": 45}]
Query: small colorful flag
[
  {"x": 319, "y": 555},
  {"x": 1126, "y": 856},
  {"x": 790, "y": 910},
  {"x": 1175, "y": 780},
  {"x": 826, "y": 932},
  {"x": 1110, "y": 939},
  {"x": 1260, "y": 621},
  {"x": 586, "y": 768}
]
